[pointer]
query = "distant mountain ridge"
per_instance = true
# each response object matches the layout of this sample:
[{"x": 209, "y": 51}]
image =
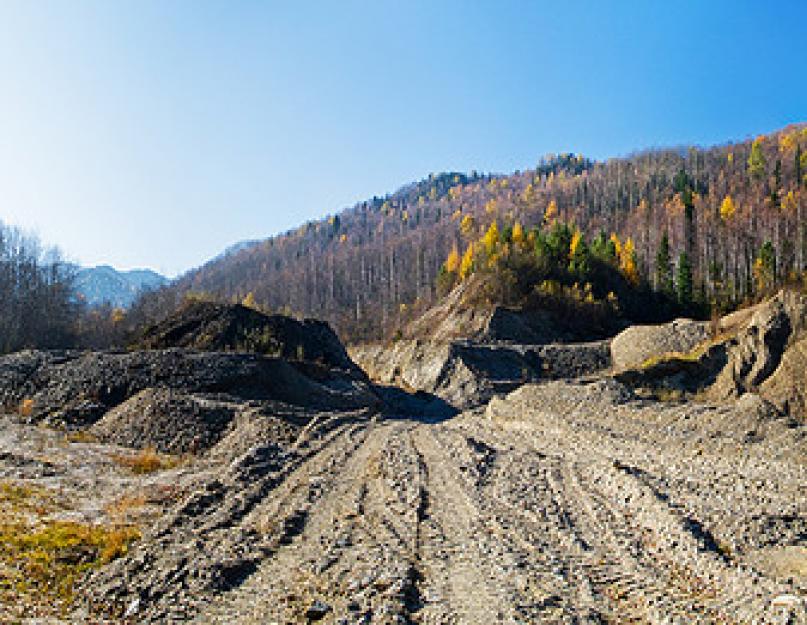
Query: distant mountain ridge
[{"x": 106, "y": 285}]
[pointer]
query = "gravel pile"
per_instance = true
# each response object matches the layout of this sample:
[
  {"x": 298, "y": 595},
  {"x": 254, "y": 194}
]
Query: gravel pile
[{"x": 635, "y": 345}]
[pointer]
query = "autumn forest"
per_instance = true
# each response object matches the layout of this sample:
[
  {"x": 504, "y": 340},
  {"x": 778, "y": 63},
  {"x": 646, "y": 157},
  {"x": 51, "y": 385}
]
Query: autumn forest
[{"x": 696, "y": 230}]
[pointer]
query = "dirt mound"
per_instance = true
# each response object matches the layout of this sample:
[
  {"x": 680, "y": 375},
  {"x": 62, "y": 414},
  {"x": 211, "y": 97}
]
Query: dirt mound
[
  {"x": 170, "y": 421},
  {"x": 174, "y": 422},
  {"x": 635, "y": 345},
  {"x": 213, "y": 326}
]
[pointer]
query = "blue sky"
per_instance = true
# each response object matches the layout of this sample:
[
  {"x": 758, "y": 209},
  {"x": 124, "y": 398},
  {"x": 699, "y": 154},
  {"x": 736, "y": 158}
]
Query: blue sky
[{"x": 155, "y": 134}]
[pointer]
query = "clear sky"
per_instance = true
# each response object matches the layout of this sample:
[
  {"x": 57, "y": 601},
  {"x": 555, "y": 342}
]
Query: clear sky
[{"x": 156, "y": 133}]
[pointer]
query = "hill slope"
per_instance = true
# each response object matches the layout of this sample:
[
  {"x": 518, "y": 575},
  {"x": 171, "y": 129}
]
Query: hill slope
[{"x": 735, "y": 211}]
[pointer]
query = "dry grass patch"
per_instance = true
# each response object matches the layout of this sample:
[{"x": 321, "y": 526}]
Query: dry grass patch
[
  {"x": 20, "y": 499},
  {"x": 126, "y": 508},
  {"x": 147, "y": 460},
  {"x": 81, "y": 436},
  {"x": 42, "y": 562},
  {"x": 26, "y": 407},
  {"x": 41, "y": 558},
  {"x": 694, "y": 355}
]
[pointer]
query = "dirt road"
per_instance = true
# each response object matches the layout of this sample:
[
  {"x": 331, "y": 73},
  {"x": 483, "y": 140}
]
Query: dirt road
[{"x": 636, "y": 517}]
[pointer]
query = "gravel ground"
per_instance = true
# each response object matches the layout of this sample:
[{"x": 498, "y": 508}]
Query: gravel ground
[{"x": 565, "y": 502}]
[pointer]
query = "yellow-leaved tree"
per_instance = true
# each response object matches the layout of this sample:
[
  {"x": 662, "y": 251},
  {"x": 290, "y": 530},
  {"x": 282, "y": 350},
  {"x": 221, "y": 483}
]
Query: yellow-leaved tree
[
  {"x": 249, "y": 300},
  {"x": 453, "y": 261},
  {"x": 790, "y": 202},
  {"x": 467, "y": 226},
  {"x": 518, "y": 235},
  {"x": 467, "y": 263},
  {"x": 528, "y": 195},
  {"x": 617, "y": 245},
  {"x": 727, "y": 208},
  {"x": 551, "y": 211},
  {"x": 491, "y": 239},
  {"x": 574, "y": 246},
  {"x": 627, "y": 262}
]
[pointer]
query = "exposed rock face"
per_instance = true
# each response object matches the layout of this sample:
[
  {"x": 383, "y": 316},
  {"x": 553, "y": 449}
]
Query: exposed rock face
[
  {"x": 467, "y": 374},
  {"x": 632, "y": 347},
  {"x": 760, "y": 350},
  {"x": 787, "y": 386}
]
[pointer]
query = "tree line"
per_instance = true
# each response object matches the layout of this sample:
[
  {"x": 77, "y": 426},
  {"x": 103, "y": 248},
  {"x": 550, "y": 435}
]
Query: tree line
[{"x": 37, "y": 306}]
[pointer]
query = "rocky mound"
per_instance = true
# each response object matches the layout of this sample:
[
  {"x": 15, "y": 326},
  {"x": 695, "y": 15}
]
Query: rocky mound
[
  {"x": 761, "y": 350},
  {"x": 466, "y": 374},
  {"x": 168, "y": 420},
  {"x": 174, "y": 422},
  {"x": 635, "y": 345},
  {"x": 78, "y": 389},
  {"x": 300, "y": 363},
  {"x": 211, "y": 326}
]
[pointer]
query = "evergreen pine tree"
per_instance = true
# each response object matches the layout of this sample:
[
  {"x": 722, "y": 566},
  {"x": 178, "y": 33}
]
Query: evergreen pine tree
[
  {"x": 756, "y": 160},
  {"x": 664, "y": 275},
  {"x": 684, "y": 281}
]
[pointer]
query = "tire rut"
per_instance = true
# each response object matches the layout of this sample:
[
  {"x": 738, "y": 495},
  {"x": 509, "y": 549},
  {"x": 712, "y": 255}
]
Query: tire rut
[{"x": 463, "y": 522}]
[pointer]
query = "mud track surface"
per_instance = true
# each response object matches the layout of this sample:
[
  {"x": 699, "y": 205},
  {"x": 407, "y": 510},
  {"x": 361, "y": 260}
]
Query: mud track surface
[{"x": 469, "y": 521}]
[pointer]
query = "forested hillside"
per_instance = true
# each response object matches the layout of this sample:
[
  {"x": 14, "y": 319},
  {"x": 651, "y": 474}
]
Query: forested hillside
[{"x": 710, "y": 227}]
